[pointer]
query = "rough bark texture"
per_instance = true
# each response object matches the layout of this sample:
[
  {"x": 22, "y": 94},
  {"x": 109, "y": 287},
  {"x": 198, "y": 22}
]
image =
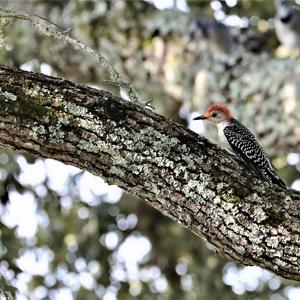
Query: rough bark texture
[{"x": 181, "y": 174}]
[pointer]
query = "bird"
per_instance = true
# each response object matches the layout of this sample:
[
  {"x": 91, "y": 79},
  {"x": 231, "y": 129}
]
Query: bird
[
  {"x": 216, "y": 35},
  {"x": 243, "y": 143},
  {"x": 287, "y": 24}
]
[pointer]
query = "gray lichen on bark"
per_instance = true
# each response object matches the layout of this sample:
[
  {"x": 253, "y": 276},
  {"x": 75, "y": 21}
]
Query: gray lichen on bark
[{"x": 183, "y": 175}]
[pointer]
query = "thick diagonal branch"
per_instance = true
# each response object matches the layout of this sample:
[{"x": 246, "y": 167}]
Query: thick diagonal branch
[{"x": 183, "y": 175}]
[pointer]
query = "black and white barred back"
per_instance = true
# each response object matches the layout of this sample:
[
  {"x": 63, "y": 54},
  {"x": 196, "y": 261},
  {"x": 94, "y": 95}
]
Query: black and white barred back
[{"x": 245, "y": 145}]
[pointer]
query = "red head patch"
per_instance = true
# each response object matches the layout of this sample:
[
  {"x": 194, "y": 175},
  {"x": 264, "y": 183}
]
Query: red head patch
[{"x": 218, "y": 108}]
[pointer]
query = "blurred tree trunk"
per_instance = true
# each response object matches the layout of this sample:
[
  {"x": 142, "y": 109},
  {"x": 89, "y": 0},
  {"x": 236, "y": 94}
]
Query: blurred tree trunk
[{"x": 183, "y": 175}]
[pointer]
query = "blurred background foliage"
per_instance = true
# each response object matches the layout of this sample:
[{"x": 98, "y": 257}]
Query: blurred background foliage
[{"x": 67, "y": 235}]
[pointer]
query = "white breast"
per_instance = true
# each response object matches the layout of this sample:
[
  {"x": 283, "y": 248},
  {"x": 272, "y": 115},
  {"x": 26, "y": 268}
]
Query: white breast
[{"x": 221, "y": 127}]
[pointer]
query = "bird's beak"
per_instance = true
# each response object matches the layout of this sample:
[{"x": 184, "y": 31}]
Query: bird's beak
[{"x": 200, "y": 118}]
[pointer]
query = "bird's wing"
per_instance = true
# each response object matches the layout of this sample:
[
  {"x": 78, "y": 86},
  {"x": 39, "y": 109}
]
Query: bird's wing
[{"x": 244, "y": 144}]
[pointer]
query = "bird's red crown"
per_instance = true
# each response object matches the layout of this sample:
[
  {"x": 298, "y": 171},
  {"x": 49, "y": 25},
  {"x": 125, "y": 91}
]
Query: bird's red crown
[{"x": 218, "y": 108}]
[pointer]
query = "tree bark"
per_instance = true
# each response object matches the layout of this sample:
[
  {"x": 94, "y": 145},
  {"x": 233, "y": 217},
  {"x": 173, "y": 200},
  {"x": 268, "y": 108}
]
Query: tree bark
[{"x": 183, "y": 175}]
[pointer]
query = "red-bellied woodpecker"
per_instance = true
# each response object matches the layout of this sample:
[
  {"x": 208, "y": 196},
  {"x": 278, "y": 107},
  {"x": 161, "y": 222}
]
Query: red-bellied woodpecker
[{"x": 243, "y": 143}]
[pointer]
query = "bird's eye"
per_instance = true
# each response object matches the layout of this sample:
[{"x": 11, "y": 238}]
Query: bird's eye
[{"x": 214, "y": 114}]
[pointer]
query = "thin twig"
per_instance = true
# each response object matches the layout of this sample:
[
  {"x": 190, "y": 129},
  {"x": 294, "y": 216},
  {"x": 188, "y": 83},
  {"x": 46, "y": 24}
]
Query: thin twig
[{"x": 47, "y": 28}]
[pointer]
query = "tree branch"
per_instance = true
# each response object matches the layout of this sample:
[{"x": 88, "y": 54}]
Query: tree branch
[{"x": 181, "y": 174}]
